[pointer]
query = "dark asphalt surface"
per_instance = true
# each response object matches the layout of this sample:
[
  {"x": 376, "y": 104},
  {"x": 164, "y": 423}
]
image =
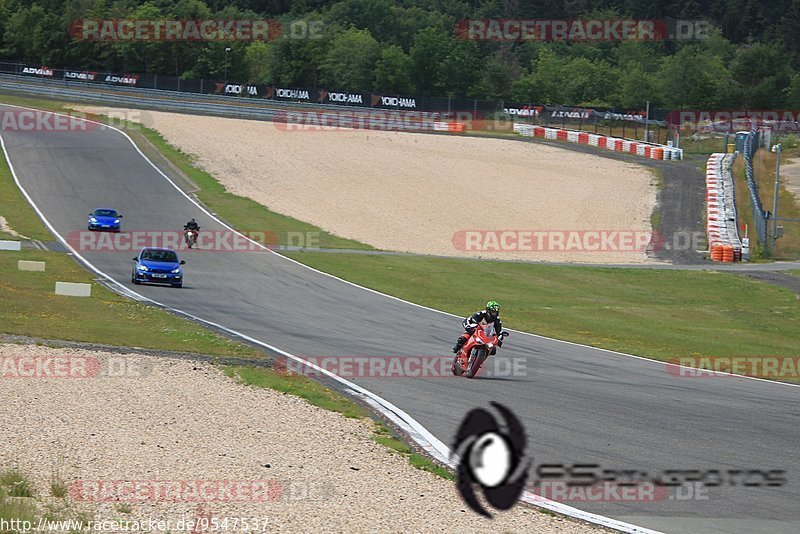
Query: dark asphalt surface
[{"x": 579, "y": 405}]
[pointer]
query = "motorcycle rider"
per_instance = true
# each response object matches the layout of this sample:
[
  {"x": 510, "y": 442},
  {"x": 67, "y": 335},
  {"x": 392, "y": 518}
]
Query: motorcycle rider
[
  {"x": 491, "y": 314},
  {"x": 191, "y": 225}
]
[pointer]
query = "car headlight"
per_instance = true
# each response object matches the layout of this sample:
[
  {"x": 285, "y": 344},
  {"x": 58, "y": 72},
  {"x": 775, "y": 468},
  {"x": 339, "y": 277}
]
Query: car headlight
[
  {"x": 116, "y": 221},
  {"x": 142, "y": 267},
  {"x": 92, "y": 219},
  {"x": 176, "y": 270}
]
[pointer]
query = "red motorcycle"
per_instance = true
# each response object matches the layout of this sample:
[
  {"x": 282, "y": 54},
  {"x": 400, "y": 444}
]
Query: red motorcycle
[
  {"x": 475, "y": 351},
  {"x": 190, "y": 236}
]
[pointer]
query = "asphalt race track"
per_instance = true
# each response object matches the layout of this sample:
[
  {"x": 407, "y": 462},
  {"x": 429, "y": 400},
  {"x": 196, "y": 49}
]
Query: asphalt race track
[{"x": 579, "y": 405}]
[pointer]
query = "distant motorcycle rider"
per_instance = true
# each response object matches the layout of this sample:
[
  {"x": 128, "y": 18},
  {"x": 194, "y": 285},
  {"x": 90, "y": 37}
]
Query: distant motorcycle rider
[
  {"x": 491, "y": 314},
  {"x": 190, "y": 226}
]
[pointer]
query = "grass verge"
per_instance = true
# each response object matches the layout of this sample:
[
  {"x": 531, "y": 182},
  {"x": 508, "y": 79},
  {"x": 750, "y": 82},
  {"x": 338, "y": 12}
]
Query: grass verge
[
  {"x": 703, "y": 144},
  {"x": 300, "y": 386},
  {"x": 21, "y": 508},
  {"x": 788, "y": 207},
  {"x": 661, "y": 314},
  {"x": 788, "y": 246}
]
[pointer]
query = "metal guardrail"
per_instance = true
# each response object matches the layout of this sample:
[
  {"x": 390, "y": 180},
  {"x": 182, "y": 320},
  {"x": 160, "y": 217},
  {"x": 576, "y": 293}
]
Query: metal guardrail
[
  {"x": 163, "y": 100},
  {"x": 759, "y": 216},
  {"x": 146, "y": 98}
]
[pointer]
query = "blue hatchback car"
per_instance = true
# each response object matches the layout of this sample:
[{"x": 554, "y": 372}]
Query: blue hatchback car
[
  {"x": 104, "y": 219},
  {"x": 159, "y": 266}
]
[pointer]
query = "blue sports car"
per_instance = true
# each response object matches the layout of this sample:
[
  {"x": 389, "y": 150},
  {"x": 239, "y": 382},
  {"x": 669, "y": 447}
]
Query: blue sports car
[
  {"x": 104, "y": 219},
  {"x": 159, "y": 266}
]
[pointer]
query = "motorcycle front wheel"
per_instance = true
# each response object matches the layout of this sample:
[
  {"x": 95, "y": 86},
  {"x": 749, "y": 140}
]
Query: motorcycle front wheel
[{"x": 475, "y": 361}]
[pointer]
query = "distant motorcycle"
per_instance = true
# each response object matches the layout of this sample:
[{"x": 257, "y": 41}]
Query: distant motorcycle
[
  {"x": 190, "y": 236},
  {"x": 475, "y": 351}
]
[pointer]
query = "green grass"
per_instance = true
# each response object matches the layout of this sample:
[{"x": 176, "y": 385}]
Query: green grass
[
  {"x": 788, "y": 206},
  {"x": 16, "y": 509},
  {"x": 424, "y": 463},
  {"x": 18, "y": 502},
  {"x": 392, "y": 443},
  {"x": 30, "y": 307},
  {"x": 301, "y": 386},
  {"x": 660, "y": 314},
  {"x": 58, "y": 488},
  {"x": 16, "y": 210},
  {"x": 15, "y": 484},
  {"x": 764, "y": 164}
]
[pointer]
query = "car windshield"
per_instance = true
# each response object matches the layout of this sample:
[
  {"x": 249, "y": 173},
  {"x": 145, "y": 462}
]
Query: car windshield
[
  {"x": 104, "y": 213},
  {"x": 166, "y": 256}
]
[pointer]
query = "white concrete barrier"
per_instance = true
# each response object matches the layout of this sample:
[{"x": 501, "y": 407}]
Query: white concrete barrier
[
  {"x": 25, "y": 265},
  {"x": 73, "y": 290},
  {"x": 10, "y": 245}
]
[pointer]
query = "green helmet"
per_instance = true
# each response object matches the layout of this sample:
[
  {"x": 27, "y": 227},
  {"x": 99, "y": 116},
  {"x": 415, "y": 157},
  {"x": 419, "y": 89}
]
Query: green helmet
[{"x": 493, "y": 308}]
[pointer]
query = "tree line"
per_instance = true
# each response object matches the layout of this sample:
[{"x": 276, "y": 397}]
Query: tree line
[{"x": 750, "y": 58}]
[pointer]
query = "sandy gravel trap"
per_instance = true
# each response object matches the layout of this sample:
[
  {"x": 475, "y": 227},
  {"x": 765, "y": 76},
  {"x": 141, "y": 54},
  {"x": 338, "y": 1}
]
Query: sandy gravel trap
[{"x": 141, "y": 438}]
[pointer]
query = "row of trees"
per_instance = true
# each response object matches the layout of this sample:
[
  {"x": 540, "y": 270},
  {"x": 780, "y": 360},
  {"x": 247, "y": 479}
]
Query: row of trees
[{"x": 410, "y": 47}]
